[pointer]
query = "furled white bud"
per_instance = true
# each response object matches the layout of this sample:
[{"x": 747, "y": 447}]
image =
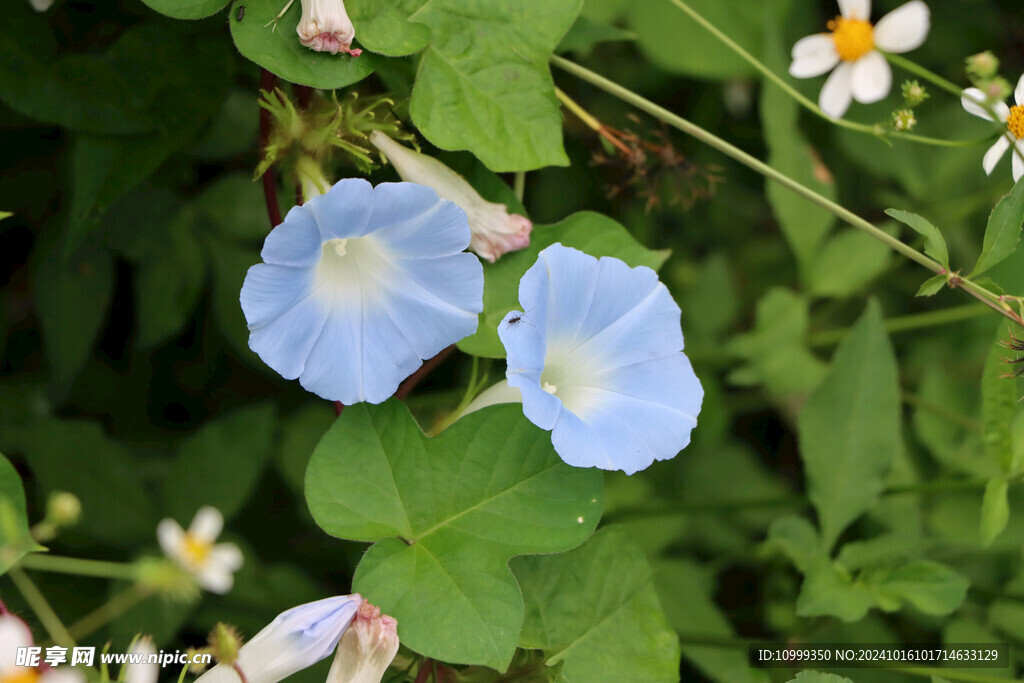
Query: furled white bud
[
  {"x": 366, "y": 649},
  {"x": 146, "y": 671},
  {"x": 296, "y": 639},
  {"x": 494, "y": 231},
  {"x": 325, "y": 27}
]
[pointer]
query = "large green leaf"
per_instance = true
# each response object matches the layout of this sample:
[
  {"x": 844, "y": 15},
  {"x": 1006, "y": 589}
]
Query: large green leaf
[
  {"x": 220, "y": 464},
  {"x": 930, "y": 587},
  {"x": 446, "y": 515},
  {"x": 597, "y": 628},
  {"x": 846, "y": 263},
  {"x": 384, "y": 28},
  {"x": 1003, "y": 230},
  {"x": 277, "y": 48},
  {"x": 998, "y": 404},
  {"x": 589, "y": 232},
  {"x": 483, "y": 83},
  {"x": 850, "y": 427},
  {"x": 15, "y": 539},
  {"x": 187, "y": 9}
]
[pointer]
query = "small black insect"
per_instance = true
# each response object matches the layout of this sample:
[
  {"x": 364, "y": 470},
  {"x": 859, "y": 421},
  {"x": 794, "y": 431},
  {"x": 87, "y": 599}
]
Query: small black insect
[
  {"x": 516, "y": 319},
  {"x": 240, "y": 14}
]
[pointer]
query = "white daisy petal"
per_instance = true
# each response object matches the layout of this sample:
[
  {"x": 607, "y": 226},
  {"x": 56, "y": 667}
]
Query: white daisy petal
[
  {"x": 1018, "y": 93},
  {"x": 228, "y": 556},
  {"x": 14, "y": 633},
  {"x": 171, "y": 537},
  {"x": 836, "y": 94},
  {"x": 813, "y": 56},
  {"x": 871, "y": 79},
  {"x": 1018, "y": 160},
  {"x": 855, "y": 9},
  {"x": 207, "y": 524},
  {"x": 215, "y": 579},
  {"x": 972, "y": 100},
  {"x": 995, "y": 153},
  {"x": 904, "y": 29}
]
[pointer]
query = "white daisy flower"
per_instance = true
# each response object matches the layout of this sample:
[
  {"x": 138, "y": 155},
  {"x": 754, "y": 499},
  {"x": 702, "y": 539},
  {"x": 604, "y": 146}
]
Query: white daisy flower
[
  {"x": 1013, "y": 117},
  {"x": 212, "y": 565},
  {"x": 859, "y": 71},
  {"x": 15, "y": 635}
]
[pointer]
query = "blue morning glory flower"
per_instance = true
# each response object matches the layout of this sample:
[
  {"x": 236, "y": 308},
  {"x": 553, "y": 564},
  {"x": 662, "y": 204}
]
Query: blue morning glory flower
[
  {"x": 597, "y": 356},
  {"x": 359, "y": 285}
]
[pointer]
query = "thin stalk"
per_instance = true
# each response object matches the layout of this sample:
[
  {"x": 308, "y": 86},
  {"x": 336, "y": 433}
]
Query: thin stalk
[
  {"x": 986, "y": 297},
  {"x": 906, "y": 323},
  {"x": 35, "y": 599},
  {"x": 108, "y": 611},
  {"x": 930, "y": 76},
  {"x": 519, "y": 185},
  {"x": 942, "y": 412},
  {"x": 81, "y": 567}
]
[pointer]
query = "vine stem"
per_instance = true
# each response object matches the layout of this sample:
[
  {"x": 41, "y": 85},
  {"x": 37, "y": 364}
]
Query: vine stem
[
  {"x": 80, "y": 567},
  {"x": 906, "y": 323},
  {"x": 35, "y": 599},
  {"x": 985, "y": 296},
  {"x": 108, "y": 611},
  {"x": 268, "y": 82}
]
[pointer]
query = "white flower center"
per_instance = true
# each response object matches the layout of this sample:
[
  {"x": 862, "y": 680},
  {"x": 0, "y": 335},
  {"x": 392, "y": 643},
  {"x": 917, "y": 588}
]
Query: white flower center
[
  {"x": 338, "y": 245},
  {"x": 575, "y": 375},
  {"x": 352, "y": 269},
  {"x": 550, "y": 388}
]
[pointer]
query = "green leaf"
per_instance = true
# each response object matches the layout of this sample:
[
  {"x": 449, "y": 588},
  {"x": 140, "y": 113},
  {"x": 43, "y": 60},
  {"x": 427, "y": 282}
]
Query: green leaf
[
  {"x": 187, "y": 9},
  {"x": 1003, "y": 230},
  {"x": 829, "y": 591},
  {"x": 589, "y": 232},
  {"x": 818, "y": 677},
  {"x": 797, "y": 539},
  {"x": 220, "y": 464},
  {"x": 277, "y": 48},
  {"x": 686, "y": 590},
  {"x": 586, "y": 33},
  {"x": 76, "y": 456},
  {"x": 846, "y": 263},
  {"x": 930, "y": 587},
  {"x": 804, "y": 225},
  {"x": 384, "y": 29},
  {"x": 446, "y": 515},
  {"x": 998, "y": 405},
  {"x": 72, "y": 297},
  {"x": 659, "y": 25},
  {"x": 776, "y": 350},
  {"x": 15, "y": 538},
  {"x": 850, "y": 428},
  {"x": 995, "y": 510},
  {"x": 934, "y": 242},
  {"x": 596, "y": 628},
  {"x": 493, "y": 94},
  {"x": 235, "y": 206},
  {"x": 932, "y": 285}
]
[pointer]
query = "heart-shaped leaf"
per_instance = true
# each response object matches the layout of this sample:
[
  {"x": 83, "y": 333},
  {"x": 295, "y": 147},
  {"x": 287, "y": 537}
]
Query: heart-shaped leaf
[{"x": 447, "y": 515}]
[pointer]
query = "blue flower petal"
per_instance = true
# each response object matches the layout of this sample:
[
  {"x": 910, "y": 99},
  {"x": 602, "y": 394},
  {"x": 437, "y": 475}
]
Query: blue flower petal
[
  {"x": 389, "y": 286},
  {"x": 597, "y": 357},
  {"x": 295, "y": 242},
  {"x": 344, "y": 210}
]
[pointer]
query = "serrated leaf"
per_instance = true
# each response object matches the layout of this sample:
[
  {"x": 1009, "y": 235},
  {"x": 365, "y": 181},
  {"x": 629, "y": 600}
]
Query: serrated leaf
[
  {"x": 592, "y": 233},
  {"x": 446, "y": 515},
  {"x": 484, "y": 84},
  {"x": 15, "y": 538},
  {"x": 995, "y": 510},
  {"x": 998, "y": 404},
  {"x": 1003, "y": 230},
  {"x": 595, "y": 628},
  {"x": 932, "y": 285},
  {"x": 277, "y": 48},
  {"x": 934, "y": 242},
  {"x": 849, "y": 430},
  {"x": 826, "y": 591},
  {"x": 930, "y": 587},
  {"x": 220, "y": 464},
  {"x": 187, "y": 9}
]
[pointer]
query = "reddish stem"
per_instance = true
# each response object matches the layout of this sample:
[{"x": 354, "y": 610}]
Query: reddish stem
[
  {"x": 406, "y": 387},
  {"x": 268, "y": 82},
  {"x": 424, "y": 671}
]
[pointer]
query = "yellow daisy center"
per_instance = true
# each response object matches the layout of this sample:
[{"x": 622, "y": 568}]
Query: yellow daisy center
[
  {"x": 1015, "y": 122},
  {"x": 196, "y": 551},
  {"x": 854, "y": 38},
  {"x": 24, "y": 676}
]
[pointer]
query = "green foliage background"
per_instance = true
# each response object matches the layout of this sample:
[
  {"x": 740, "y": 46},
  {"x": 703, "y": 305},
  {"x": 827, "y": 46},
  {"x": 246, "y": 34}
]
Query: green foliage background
[{"x": 852, "y": 478}]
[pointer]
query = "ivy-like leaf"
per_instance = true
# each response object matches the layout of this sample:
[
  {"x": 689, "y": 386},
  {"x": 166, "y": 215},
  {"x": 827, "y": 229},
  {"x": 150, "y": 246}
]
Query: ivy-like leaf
[
  {"x": 484, "y": 84},
  {"x": 934, "y": 242},
  {"x": 589, "y": 232},
  {"x": 1003, "y": 230},
  {"x": 15, "y": 539},
  {"x": 850, "y": 427},
  {"x": 187, "y": 9},
  {"x": 277, "y": 48},
  {"x": 446, "y": 515}
]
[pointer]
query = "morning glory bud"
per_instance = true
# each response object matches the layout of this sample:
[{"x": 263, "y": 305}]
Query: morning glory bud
[
  {"x": 325, "y": 27},
  {"x": 494, "y": 231},
  {"x": 366, "y": 649},
  {"x": 298, "y": 638},
  {"x": 144, "y": 670}
]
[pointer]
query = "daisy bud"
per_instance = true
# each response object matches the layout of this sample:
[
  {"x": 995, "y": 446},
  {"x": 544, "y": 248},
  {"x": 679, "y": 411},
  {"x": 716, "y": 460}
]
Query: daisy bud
[
  {"x": 298, "y": 638},
  {"x": 494, "y": 231},
  {"x": 225, "y": 644},
  {"x": 983, "y": 65},
  {"x": 325, "y": 27},
  {"x": 903, "y": 119},
  {"x": 63, "y": 508},
  {"x": 366, "y": 649},
  {"x": 914, "y": 93}
]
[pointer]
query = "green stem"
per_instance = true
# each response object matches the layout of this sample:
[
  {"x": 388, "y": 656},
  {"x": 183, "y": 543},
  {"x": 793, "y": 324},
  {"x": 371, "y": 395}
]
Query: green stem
[
  {"x": 986, "y": 297},
  {"x": 519, "y": 185},
  {"x": 942, "y": 412},
  {"x": 918, "y": 70},
  {"x": 78, "y": 566},
  {"x": 35, "y": 599},
  {"x": 950, "y": 675},
  {"x": 914, "y": 321},
  {"x": 108, "y": 611}
]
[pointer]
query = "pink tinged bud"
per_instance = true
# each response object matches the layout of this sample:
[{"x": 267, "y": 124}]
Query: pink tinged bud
[
  {"x": 366, "y": 649},
  {"x": 298, "y": 638},
  {"x": 325, "y": 27},
  {"x": 494, "y": 231}
]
